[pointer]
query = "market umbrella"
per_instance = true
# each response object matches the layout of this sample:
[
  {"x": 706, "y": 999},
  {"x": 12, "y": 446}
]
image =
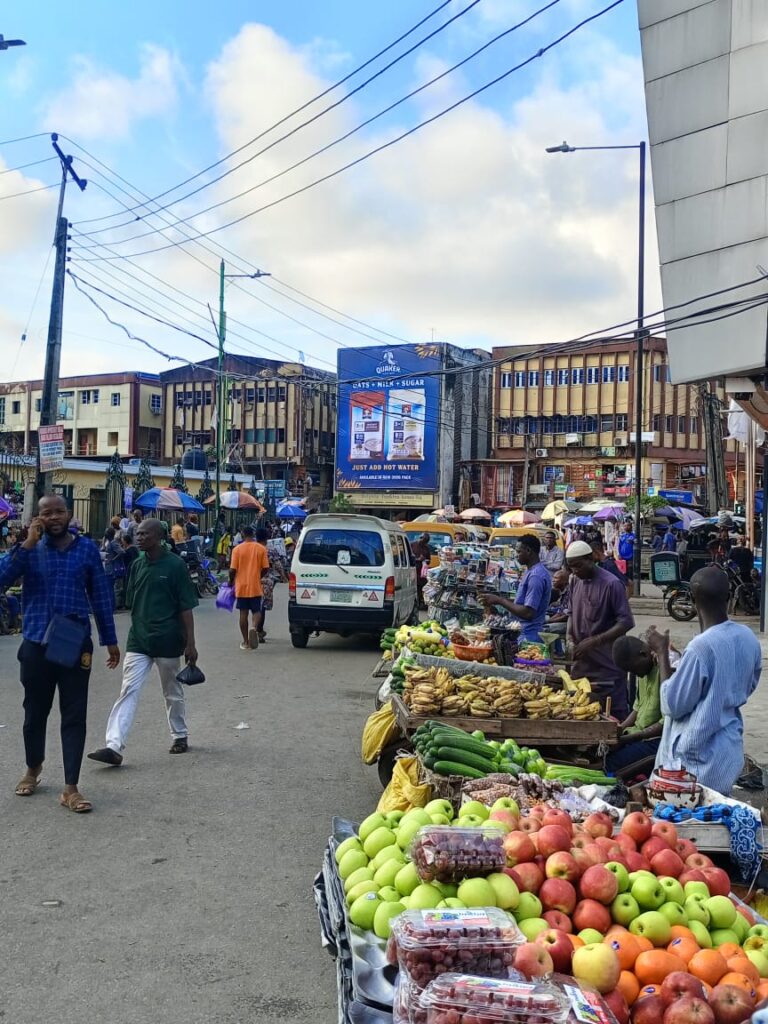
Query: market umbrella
[
  {"x": 474, "y": 513},
  {"x": 7, "y": 509},
  {"x": 578, "y": 521},
  {"x": 167, "y": 498},
  {"x": 597, "y": 505},
  {"x": 236, "y": 500},
  {"x": 291, "y": 512},
  {"x": 518, "y": 517},
  {"x": 609, "y": 512},
  {"x": 554, "y": 509},
  {"x": 687, "y": 517}
]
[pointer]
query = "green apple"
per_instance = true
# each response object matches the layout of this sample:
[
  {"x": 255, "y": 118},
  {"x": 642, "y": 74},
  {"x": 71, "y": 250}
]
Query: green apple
[
  {"x": 440, "y": 819},
  {"x": 388, "y": 853},
  {"x": 674, "y": 913},
  {"x": 624, "y": 909},
  {"x": 440, "y": 807},
  {"x": 506, "y": 803},
  {"x": 653, "y": 926},
  {"x": 389, "y": 894},
  {"x": 700, "y": 933},
  {"x": 407, "y": 879},
  {"x": 722, "y": 935},
  {"x": 424, "y": 897},
  {"x": 469, "y": 821},
  {"x": 407, "y": 832},
  {"x": 722, "y": 912},
  {"x": 387, "y": 873},
  {"x": 634, "y": 875},
  {"x": 741, "y": 927},
  {"x": 361, "y": 889},
  {"x": 648, "y": 893},
  {"x": 673, "y": 891},
  {"x": 363, "y": 910},
  {"x": 756, "y": 942},
  {"x": 759, "y": 929},
  {"x": 416, "y": 814},
  {"x": 590, "y": 935},
  {"x": 353, "y": 843},
  {"x": 351, "y": 861},
  {"x": 759, "y": 959},
  {"x": 533, "y": 926},
  {"x": 370, "y": 824},
  {"x": 474, "y": 807},
  {"x": 451, "y": 903},
  {"x": 529, "y": 905},
  {"x": 361, "y": 875},
  {"x": 696, "y": 889},
  {"x": 446, "y": 889},
  {"x": 507, "y": 893},
  {"x": 477, "y": 892},
  {"x": 393, "y": 818},
  {"x": 378, "y": 839},
  {"x": 383, "y": 917},
  {"x": 696, "y": 911},
  {"x": 621, "y": 873}
]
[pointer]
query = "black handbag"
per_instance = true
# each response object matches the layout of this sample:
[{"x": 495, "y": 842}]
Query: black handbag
[
  {"x": 64, "y": 640},
  {"x": 190, "y": 675}
]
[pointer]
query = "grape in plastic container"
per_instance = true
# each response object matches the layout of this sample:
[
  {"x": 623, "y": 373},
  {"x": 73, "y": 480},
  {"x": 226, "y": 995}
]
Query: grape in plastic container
[
  {"x": 465, "y": 999},
  {"x": 444, "y": 853},
  {"x": 476, "y": 940},
  {"x": 406, "y": 1006}
]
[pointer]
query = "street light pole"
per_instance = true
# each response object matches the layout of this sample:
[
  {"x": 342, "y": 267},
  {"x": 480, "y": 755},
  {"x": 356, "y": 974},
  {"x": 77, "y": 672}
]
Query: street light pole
[{"x": 639, "y": 338}]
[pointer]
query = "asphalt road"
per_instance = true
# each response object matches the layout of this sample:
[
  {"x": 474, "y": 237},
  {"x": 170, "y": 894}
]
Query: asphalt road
[{"x": 185, "y": 897}]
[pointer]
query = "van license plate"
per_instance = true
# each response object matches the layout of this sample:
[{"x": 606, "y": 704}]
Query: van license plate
[{"x": 343, "y": 596}]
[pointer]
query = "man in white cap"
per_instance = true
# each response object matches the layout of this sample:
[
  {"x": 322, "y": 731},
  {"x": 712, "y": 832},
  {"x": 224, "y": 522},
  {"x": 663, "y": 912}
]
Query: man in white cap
[{"x": 599, "y": 614}]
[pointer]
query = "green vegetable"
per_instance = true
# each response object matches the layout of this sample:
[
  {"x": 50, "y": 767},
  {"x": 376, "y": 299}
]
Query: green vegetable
[
  {"x": 455, "y": 768},
  {"x": 449, "y": 739},
  {"x": 466, "y": 757}
]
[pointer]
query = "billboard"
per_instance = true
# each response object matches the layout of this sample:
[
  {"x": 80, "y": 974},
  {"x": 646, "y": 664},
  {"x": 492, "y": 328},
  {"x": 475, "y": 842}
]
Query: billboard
[{"x": 388, "y": 414}]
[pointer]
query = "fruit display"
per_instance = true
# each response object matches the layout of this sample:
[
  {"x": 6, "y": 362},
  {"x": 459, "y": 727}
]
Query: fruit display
[
  {"x": 447, "y": 750},
  {"x": 426, "y": 944},
  {"x": 532, "y": 653},
  {"x": 445, "y": 854},
  {"x": 463, "y": 999}
]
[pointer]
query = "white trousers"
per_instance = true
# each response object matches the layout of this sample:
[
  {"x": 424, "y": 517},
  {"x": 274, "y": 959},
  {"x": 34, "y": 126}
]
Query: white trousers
[{"x": 136, "y": 669}]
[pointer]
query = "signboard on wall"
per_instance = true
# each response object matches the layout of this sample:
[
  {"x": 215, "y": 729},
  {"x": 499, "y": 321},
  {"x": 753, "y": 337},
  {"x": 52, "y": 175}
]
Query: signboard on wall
[
  {"x": 388, "y": 416},
  {"x": 50, "y": 447}
]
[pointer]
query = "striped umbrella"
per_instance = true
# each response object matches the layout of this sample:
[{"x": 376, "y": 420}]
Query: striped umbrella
[
  {"x": 167, "y": 498},
  {"x": 236, "y": 500}
]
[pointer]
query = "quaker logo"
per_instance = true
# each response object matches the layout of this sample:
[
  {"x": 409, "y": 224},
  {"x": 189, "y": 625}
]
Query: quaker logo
[{"x": 388, "y": 364}]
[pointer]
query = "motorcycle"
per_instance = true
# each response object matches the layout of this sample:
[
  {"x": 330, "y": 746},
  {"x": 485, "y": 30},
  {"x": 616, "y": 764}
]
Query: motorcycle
[
  {"x": 745, "y": 595},
  {"x": 200, "y": 570},
  {"x": 679, "y": 602}
]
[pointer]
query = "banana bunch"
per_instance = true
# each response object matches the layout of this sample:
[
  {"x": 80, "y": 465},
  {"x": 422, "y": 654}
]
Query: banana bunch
[
  {"x": 454, "y": 705},
  {"x": 481, "y": 708},
  {"x": 575, "y": 686},
  {"x": 415, "y": 675},
  {"x": 468, "y": 683},
  {"x": 423, "y": 700},
  {"x": 539, "y": 707},
  {"x": 584, "y": 709}
]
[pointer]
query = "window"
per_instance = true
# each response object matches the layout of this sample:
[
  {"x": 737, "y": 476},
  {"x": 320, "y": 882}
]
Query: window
[
  {"x": 343, "y": 547},
  {"x": 656, "y": 422},
  {"x": 250, "y": 395},
  {"x": 533, "y": 379},
  {"x": 2, "y": 410},
  {"x": 208, "y": 397},
  {"x": 16, "y": 408},
  {"x": 270, "y": 435},
  {"x": 661, "y": 372},
  {"x": 668, "y": 420},
  {"x": 179, "y": 440},
  {"x": 506, "y": 380},
  {"x": 590, "y": 424},
  {"x": 549, "y": 378},
  {"x": 681, "y": 424},
  {"x": 95, "y": 396},
  {"x": 562, "y": 377},
  {"x": 519, "y": 378},
  {"x": 694, "y": 424},
  {"x": 577, "y": 375},
  {"x": 156, "y": 403},
  {"x": 623, "y": 373},
  {"x": 260, "y": 434},
  {"x": 112, "y": 439},
  {"x": 85, "y": 397},
  {"x": 609, "y": 374},
  {"x": 606, "y": 422},
  {"x": 281, "y": 435},
  {"x": 593, "y": 374},
  {"x": 271, "y": 394},
  {"x": 621, "y": 421},
  {"x": 249, "y": 436},
  {"x": 198, "y": 398},
  {"x": 260, "y": 395},
  {"x": 114, "y": 398},
  {"x": 38, "y": 404},
  {"x": 282, "y": 392},
  {"x": 66, "y": 405},
  {"x": 179, "y": 399}
]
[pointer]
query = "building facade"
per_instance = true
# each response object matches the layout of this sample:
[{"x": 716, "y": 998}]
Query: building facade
[
  {"x": 563, "y": 424},
  {"x": 101, "y": 413},
  {"x": 278, "y": 421}
]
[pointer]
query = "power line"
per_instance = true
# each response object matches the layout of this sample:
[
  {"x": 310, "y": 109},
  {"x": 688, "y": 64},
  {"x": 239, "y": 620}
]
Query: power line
[
  {"x": 386, "y": 145},
  {"x": 25, "y": 138},
  {"x": 41, "y": 188},
  {"x": 32, "y": 163}
]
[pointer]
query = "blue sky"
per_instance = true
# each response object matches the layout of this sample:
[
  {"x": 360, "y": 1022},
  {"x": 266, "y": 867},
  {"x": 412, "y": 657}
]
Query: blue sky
[{"x": 466, "y": 229}]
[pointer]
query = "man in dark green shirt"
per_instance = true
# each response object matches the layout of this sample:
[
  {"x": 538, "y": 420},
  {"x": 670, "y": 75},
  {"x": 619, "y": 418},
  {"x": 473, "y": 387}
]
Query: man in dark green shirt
[{"x": 161, "y": 598}]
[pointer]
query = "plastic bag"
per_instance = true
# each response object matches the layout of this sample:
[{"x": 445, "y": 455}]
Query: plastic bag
[
  {"x": 380, "y": 729},
  {"x": 190, "y": 675},
  {"x": 226, "y": 597},
  {"x": 404, "y": 791}
]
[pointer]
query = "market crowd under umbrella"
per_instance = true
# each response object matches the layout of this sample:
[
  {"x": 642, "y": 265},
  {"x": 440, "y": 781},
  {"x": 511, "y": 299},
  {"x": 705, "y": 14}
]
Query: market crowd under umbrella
[{"x": 167, "y": 499}]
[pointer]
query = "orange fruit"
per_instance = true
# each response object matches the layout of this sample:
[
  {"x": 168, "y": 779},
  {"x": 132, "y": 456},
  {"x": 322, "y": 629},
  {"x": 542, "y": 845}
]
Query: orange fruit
[
  {"x": 617, "y": 929},
  {"x": 629, "y": 986},
  {"x": 743, "y": 965},
  {"x": 575, "y": 940},
  {"x": 729, "y": 949},
  {"x": 652, "y": 966},
  {"x": 679, "y": 931},
  {"x": 762, "y": 990},
  {"x": 643, "y": 943},
  {"x": 684, "y": 948},
  {"x": 708, "y": 965},
  {"x": 742, "y": 981},
  {"x": 626, "y": 949}
]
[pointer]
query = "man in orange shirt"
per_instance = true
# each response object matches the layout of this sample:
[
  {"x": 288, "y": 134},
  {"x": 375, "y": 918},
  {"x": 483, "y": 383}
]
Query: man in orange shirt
[{"x": 249, "y": 563}]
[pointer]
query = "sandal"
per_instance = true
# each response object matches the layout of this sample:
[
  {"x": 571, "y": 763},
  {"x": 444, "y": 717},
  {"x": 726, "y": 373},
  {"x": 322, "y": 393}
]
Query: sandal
[
  {"x": 179, "y": 746},
  {"x": 27, "y": 785},
  {"x": 75, "y": 802}
]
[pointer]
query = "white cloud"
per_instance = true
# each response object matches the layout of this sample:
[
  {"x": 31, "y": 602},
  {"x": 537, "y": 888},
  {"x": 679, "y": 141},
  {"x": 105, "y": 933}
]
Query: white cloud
[{"x": 103, "y": 104}]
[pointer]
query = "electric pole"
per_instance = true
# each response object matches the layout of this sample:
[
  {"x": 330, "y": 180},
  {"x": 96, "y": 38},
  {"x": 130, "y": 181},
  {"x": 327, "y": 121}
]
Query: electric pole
[{"x": 50, "y": 399}]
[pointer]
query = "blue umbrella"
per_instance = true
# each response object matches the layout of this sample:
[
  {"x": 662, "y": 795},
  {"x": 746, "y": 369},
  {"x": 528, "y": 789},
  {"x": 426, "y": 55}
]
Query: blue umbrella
[
  {"x": 167, "y": 498},
  {"x": 291, "y": 512},
  {"x": 579, "y": 521}
]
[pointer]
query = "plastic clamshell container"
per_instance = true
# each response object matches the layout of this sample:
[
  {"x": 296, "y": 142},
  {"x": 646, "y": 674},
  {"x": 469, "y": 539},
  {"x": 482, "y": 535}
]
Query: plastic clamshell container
[
  {"x": 476, "y": 940},
  {"x": 452, "y": 998},
  {"x": 445, "y": 853}
]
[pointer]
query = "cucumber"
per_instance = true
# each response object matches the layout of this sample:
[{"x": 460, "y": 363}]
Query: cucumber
[
  {"x": 447, "y": 739},
  {"x": 466, "y": 757},
  {"x": 429, "y": 761},
  {"x": 454, "y": 768}
]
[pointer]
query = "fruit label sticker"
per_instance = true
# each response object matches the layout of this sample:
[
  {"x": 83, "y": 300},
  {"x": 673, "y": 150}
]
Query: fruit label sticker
[
  {"x": 585, "y": 1005},
  {"x": 460, "y": 918}
]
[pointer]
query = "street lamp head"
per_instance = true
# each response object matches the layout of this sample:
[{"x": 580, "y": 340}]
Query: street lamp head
[
  {"x": 6, "y": 43},
  {"x": 562, "y": 148}
]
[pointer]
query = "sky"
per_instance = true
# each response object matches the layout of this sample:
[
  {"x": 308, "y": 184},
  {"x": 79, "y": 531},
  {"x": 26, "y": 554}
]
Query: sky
[{"x": 464, "y": 231}]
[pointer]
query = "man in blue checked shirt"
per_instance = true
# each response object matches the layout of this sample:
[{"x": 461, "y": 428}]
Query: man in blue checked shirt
[{"x": 62, "y": 577}]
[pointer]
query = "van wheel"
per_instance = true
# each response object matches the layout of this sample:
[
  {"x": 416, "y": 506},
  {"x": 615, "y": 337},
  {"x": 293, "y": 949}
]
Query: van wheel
[
  {"x": 299, "y": 637},
  {"x": 386, "y": 762}
]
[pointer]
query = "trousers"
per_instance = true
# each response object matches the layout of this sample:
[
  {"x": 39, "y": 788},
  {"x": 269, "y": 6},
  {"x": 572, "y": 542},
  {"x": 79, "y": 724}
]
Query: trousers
[
  {"x": 40, "y": 678},
  {"x": 136, "y": 669}
]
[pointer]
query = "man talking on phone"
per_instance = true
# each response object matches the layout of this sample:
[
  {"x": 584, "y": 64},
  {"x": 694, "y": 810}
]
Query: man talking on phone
[{"x": 63, "y": 582}]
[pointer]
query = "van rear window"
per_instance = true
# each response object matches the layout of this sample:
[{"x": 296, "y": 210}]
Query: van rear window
[{"x": 356, "y": 547}]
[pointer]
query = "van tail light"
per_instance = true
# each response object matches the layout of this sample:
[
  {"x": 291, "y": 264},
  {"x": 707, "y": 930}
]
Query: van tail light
[
  {"x": 292, "y": 586},
  {"x": 389, "y": 590}
]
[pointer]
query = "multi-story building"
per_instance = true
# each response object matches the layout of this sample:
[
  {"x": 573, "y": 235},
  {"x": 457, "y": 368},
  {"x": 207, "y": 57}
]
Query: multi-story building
[
  {"x": 279, "y": 419},
  {"x": 101, "y": 413},
  {"x": 564, "y": 424}
]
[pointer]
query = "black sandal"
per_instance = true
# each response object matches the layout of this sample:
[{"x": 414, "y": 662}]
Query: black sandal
[{"x": 179, "y": 746}]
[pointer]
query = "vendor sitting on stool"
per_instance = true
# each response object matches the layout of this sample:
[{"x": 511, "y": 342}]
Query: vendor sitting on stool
[
  {"x": 532, "y": 598},
  {"x": 641, "y": 731}
]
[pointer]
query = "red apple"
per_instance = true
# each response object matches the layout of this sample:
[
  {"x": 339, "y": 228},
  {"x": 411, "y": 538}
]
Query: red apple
[
  {"x": 666, "y": 830},
  {"x": 559, "y": 947},
  {"x": 617, "y": 1004},
  {"x": 533, "y": 960},
  {"x": 689, "y": 1010},
  {"x": 581, "y": 839},
  {"x": 552, "y": 839},
  {"x": 685, "y": 848},
  {"x": 518, "y": 848},
  {"x": 730, "y": 1004},
  {"x": 648, "y": 1009},
  {"x": 591, "y": 914},
  {"x": 610, "y": 847},
  {"x": 539, "y": 810},
  {"x": 562, "y": 865},
  {"x": 558, "y": 894},
  {"x": 527, "y": 877},
  {"x": 637, "y": 862},
  {"x": 598, "y": 883},
  {"x": 506, "y": 818},
  {"x": 582, "y": 858},
  {"x": 554, "y": 816},
  {"x": 667, "y": 862},
  {"x": 530, "y": 824},
  {"x": 556, "y": 919},
  {"x": 679, "y": 984},
  {"x": 599, "y": 824},
  {"x": 699, "y": 860},
  {"x": 692, "y": 875},
  {"x": 718, "y": 882},
  {"x": 626, "y": 842},
  {"x": 654, "y": 845},
  {"x": 597, "y": 853},
  {"x": 638, "y": 826}
]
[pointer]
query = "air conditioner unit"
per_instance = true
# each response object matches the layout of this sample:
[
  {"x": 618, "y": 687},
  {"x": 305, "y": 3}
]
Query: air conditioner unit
[
  {"x": 542, "y": 453},
  {"x": 620, "y": 441}
]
